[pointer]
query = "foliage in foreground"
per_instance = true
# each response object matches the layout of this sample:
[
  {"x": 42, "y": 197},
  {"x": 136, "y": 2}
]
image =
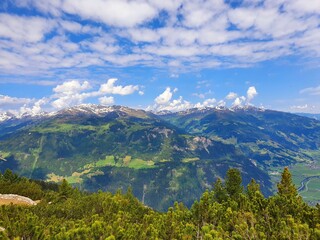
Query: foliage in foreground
[{"x": 227, "y": 212}]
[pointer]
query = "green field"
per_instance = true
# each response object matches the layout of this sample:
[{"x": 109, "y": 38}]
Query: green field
[
  {"x": 66, "y": 127},
  {"x": 312, "y": 192}
]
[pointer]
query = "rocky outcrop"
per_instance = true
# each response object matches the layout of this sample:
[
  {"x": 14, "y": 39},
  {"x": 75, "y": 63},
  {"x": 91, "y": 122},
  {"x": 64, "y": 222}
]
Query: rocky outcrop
[{"x": 16, "y": 199}]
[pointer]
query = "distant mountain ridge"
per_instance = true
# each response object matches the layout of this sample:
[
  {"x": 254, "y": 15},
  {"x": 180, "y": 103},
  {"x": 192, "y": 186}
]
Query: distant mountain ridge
[
  {"x": 165, "y": 157},
  {"x": 310, "y": 115},
  {"x": 101, "y": 109}
]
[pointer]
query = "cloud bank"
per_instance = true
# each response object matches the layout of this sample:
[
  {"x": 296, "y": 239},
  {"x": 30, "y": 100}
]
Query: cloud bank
[
  {"x": 64, "y": 34},
  {"x": 165, "y": 101}
]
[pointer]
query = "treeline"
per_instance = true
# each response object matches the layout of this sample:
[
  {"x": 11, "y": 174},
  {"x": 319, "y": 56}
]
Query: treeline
[{"x": 228, "y": 211}]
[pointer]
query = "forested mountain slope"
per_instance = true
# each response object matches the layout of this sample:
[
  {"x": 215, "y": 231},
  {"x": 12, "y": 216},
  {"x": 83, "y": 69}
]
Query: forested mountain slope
[
  {"x": 108, "y": 148},
  {"x": 163, "y": 157},
  {"x": 229, "y": 211}
]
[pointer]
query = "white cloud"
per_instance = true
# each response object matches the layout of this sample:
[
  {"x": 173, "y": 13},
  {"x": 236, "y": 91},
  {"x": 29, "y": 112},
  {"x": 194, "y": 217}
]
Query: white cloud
[
  {"x": 21, "y": 106},
  {"x": 312, "y": 107},
  {"x": 244, "y": 18},
  {"x": 71, "y": 26},
  {"x": 164, "y": 97},
  {"x": 34, "y": 109},
  {"x": 237, "y": 102},
  {"x": 221, "y": 103},
  {"x": 141, "y": 93},
  {"x": 70, "y": 93},
  {"x": 143, "y": 35},
  {"x": 174, "y": 75},
  {"x": 193, "y": 35},
  {"x": 106, "y": 100},
  {"x": 7, "y": 101},
  {"x": 24, "y": 29},
  {"x": 199, "y": 13},
  {"x": 68, "y": 100},
  {"x": 210, "y": 102},
  {"x": 119, "y": 13},
  {"x": 199, "y": 95},
  {"x": 299, "y": 107},
  {"x": 300, "y": 6},
  {"x": 52, "y": 7},
  {"x": 165, "y": 102},
  {"x": 175, "y": 105},
  {"x": 251, "y": 93},
  {"x": 110, "y": 88},
  {"x": 74, "y": 92},
  {"x": 71, "y": 87},
  {"x": 311, "y": 90},
  {"x": 231, "y": 95}
]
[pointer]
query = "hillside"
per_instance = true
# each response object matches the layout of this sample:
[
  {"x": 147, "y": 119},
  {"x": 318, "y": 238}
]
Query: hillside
[
  {"x": 108, "y": 148},
  {"x": 271, "y": 139},
  {"x": 310, "y": 115},
  {"x": 231, "y": 211},
  {"x": 164, "y": 157}
]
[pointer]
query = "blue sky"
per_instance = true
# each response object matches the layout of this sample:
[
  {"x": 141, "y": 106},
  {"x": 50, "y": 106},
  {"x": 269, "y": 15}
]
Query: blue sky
[{"x": 159, "y": 55}]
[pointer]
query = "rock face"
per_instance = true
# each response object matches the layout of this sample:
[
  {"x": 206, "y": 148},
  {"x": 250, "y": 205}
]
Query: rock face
[{"x": 6, "y": 199}]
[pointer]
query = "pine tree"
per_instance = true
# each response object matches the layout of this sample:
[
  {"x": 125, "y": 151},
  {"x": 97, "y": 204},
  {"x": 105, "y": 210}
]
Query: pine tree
[
  {"x": 220, "y": 193},
  {"x": 65, "y": 190},
  {"x": 233, "y": 183},
  {"x": 286, "y": 188}
]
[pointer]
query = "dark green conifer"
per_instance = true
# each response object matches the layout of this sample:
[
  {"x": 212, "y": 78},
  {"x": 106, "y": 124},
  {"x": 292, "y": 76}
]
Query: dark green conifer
[{"x": 234, "y": 183}]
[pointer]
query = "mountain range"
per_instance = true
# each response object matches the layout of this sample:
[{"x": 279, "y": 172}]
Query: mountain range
[{"x": 164, "y": 157}]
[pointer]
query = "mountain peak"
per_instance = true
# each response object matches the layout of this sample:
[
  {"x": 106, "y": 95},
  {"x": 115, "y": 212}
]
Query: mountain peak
[
  {"x": 6, "y": 116},
  {"x": 247, "y": 108}
]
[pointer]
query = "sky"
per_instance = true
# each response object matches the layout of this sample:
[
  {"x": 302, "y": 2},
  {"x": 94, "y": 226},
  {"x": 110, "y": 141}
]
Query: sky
[{"x": 159, "y": 55}]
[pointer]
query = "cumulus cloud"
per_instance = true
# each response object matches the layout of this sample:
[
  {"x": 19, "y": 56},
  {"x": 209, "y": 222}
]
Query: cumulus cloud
[
  {"x": 231, "y": 95},
  {"x": 106, "y": 100},
  {"x": 110, "y": 88},
  {"x": 251, "y": 93},
  {"x": 221, "y": 103},
  {"x": 176, "y": 105},
  {"x": 66, "y": 36},
  {"x": 21, "y": 106},
  {"x": 68, "y": 100},
  {"x": 34, "y": 109},
  {"x": 70, "y": 93},
  {"x": 71, "y": 87},
  {"x": 164, "y": 97},
  {"x": 75, "y": 92},
  {"x": 7, "y": 101},
  {"x": 165, "y": 102},
  {"x": 210, "y": 102},
  {"x": 238, "y": 101}
]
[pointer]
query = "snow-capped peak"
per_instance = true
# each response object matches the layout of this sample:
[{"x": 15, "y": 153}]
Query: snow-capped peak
[
  {"x": 88, "y": 109},
  {"x": 6, "y": 116}
]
